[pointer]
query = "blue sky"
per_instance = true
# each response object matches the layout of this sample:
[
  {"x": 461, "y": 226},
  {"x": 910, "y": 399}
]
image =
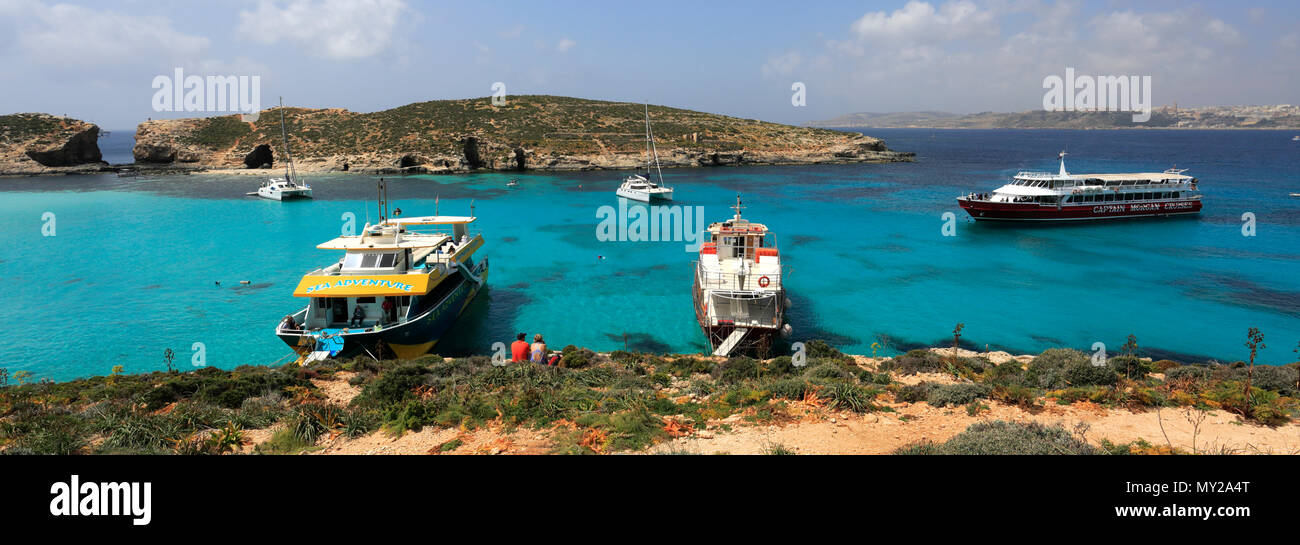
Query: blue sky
[{"x": 97, "y": 60}]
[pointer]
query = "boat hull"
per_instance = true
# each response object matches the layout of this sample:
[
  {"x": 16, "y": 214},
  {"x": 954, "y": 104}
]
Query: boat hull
[
  {"x": 285, "y": 195},
  {"x": 410, "y": 339},
  {"x": 645, "y": 197},
  {"x": 999, "y": 211},
  {"x": 759, "y": 341}
]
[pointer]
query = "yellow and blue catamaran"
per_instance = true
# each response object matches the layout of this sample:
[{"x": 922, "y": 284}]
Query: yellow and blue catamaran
[{"x": 395, "y": 292}]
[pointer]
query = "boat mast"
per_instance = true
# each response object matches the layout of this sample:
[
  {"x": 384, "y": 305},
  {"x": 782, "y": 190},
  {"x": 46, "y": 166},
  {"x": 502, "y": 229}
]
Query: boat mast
[
  {"x": 650, "y": 142},
  {"x": 290, "y": 173}
]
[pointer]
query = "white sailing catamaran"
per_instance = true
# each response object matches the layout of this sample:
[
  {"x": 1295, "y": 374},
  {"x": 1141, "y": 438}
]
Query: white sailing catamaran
[
  {"x": 638, "y": 187},
  {"x": 288, "y": 187}
]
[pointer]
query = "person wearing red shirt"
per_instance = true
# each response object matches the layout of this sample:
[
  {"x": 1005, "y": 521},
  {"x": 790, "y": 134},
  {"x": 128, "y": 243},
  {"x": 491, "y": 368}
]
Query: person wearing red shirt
[{"x": 519, "y": 348}]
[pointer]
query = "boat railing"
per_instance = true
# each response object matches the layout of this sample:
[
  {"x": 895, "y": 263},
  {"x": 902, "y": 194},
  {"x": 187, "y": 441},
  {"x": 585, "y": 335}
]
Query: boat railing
[{"x": 719, "y": 280}]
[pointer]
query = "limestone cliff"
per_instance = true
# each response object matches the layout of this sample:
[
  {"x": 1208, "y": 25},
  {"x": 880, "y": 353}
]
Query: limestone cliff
[
  {"x": 46, "y": 144},
  {"x": 529, "y": 132}
]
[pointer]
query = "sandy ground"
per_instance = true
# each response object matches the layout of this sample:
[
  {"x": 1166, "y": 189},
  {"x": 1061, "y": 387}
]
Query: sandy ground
[{"x": 882, "y": 433}]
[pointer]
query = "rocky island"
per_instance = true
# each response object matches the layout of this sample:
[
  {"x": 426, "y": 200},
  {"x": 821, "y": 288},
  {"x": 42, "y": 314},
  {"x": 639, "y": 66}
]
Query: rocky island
[
  {"x": 32, "y": 144},
  {"x": 527, "y": 133}
]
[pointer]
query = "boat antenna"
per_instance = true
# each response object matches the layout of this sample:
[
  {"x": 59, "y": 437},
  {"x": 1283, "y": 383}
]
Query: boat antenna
[
  {"x": 738, "y": 206},
  {"x": 289, "y": 171},
  {"x": 383, "y": 200},
  {"x": 650, "y": 141},
  {"x": 1061, "y": 156}
]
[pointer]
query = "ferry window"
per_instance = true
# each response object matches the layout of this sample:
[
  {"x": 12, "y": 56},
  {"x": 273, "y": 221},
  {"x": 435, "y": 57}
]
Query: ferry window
[
  {"x": 1166, "y": 195},
  {"x": 1177, "y": 194},
  {"x": 369, "y": 260},
  {"x": 387, "y": 260},
  {"x": 1146, "y": 196},
  {"x": 365, "y": 300},
  {"x": 352, "y": 261}
]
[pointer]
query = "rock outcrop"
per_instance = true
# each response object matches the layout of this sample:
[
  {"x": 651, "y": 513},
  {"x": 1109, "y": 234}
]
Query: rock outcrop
[
  {"x": 530, "y": 132},
  {"x": 41, "y": 144}
]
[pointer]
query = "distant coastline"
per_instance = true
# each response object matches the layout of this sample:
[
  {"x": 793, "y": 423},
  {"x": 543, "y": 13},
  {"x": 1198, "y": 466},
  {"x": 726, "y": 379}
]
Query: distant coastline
[{"x": 1279, "y": 117}]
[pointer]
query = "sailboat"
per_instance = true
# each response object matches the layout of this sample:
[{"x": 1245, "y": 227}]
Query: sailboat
[
  {"x": 638, "y": 187},
  {"x": 286, "y": 188}
]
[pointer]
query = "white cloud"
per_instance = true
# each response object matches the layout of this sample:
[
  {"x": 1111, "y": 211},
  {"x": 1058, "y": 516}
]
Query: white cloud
[
  {"x": 783, "y": 65},
  {"x": 921, "y": 22},
  {"x": 74, "y": 38},
  {"x": 335, "y": 29},
  {"x": 565, "y": 44},
  {"x": 976, "y": 55}
]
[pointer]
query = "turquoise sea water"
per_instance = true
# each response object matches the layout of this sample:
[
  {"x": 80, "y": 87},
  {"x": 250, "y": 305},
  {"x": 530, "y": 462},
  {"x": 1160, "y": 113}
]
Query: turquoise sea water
[{"x": 130, "y": 271}]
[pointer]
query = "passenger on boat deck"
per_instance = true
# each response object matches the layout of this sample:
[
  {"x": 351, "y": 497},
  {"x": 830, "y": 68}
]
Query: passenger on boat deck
[
  {"x": 289, "y": 323},
  {"x": 519, "y": 348},
  {"x": 357, "y": 316},
  {"x": 539, "y": 354},
  {"x": 388, "y": 309}
]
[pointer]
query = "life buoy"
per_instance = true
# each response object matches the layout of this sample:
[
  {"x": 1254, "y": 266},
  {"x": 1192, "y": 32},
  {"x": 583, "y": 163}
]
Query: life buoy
[{"x": 763, "y": 282}]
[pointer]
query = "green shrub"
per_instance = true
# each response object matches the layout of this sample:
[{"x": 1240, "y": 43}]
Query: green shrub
[
  {"x": 845, "y": 395},
  {"x": 1090, "y": 375},
  {"x": 1016, "y": 395},
  {"x": 826, "y": 371},
  {"x": 779, "y": 366},
  {"x": 881, "y": 379},
  {"x": 395, "y": 385},
  {"x": 957, "y": 394},
  {"x": 1130, "y": 366},
  {"x": 573, "y": 357},
  {"x": 1001, "y": 437},
  {"x": 913, "y": 393},
  {"x": 686, "y": 366},
  {"x": 913, "y": 362},
  {"x": 1006, "y": 373},
  {"x": 1270, "y": 377},
  {"x": 793, "y": 389},
  {"x": 1047, "y": 370},
  {"x": 819, "y": 349},
  {"x": 736, "y": 369}
]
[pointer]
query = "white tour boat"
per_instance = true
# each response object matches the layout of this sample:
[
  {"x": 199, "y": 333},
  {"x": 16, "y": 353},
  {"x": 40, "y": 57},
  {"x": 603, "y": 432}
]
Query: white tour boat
[
  {"x": 740, "y": 299},
  {"x": 1045, "y": 196}
]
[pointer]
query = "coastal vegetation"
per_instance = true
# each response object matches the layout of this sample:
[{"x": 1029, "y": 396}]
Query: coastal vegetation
[
  {"x": 623, "y": 401},
  {"x": 527, "y": 132}
]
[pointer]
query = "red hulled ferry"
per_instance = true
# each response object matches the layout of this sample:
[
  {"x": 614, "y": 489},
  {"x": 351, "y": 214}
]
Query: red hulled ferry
[{"x": 1043, "y": 196}]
